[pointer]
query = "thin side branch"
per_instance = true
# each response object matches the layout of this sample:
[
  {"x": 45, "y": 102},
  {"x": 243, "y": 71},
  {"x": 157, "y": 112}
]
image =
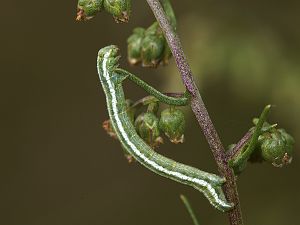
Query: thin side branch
[
  {"x": 200, "y": 112},
  {"x": 239, "y": 146}
]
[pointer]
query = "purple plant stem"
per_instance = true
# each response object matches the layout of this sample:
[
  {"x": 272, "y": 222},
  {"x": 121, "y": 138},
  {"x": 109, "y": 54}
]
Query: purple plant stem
[{"x": 200, "y": 112}]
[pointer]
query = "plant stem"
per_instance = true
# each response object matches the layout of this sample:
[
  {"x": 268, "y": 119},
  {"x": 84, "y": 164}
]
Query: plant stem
[
  {"x": 200, "y": 112},
  {"x": 189, "y": 209},
  {"x": 239, "y": 146}
]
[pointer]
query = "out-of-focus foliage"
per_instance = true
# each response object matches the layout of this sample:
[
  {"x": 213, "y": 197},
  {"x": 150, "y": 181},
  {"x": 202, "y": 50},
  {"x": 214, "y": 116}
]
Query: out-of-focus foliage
[{"x": 255, "y": 63}]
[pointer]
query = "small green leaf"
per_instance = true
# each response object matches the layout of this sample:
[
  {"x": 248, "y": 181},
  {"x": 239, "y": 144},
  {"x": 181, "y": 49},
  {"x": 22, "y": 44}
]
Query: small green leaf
[{"x": 135, "y": 45}]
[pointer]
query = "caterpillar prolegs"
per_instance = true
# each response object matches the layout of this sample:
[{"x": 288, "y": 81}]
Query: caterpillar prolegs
[{"x": 207, "y": 183}]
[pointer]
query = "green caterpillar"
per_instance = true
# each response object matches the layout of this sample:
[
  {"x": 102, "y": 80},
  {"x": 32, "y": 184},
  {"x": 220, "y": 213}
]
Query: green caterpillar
[{"x": 111, "y": 79}]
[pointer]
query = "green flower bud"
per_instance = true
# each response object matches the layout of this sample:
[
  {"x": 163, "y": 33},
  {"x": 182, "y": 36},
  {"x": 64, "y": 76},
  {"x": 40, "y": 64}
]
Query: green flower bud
[
  {"x": 152, "y": 50},
  {"x": 120, "y": 9},
  {"x": 276, "y": 147},
  {"x": 135, "y": 45},
  {"x": 172, "y": 123},
  {"x": 146, "y": 125},
  {"x": 153, "y": 46},
  {"x": 87, "y": 9}
]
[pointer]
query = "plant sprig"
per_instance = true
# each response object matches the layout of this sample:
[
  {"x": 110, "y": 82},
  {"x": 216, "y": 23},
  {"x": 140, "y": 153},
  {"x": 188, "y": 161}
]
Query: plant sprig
[{"x": 154, "y": 46}]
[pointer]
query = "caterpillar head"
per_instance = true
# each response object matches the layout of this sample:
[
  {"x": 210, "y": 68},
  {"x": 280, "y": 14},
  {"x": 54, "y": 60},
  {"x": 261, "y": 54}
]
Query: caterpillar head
[
  {"x": 87, "y": 9},
  {"x": 110, "y": 54}
]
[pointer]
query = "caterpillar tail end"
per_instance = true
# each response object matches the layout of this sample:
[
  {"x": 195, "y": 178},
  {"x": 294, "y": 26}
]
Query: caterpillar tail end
[
  {"x": 225, "y": 207},
  {"x": 222, "y": 204},
  {"x": 216, "y": 197}
]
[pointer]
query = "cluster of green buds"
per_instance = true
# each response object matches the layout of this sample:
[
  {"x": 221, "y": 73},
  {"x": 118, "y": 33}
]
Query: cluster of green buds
[
  {"x": 151, "y": 125},
  {"x": 171, "y": 123},
  {"x": 263, "y": 143},
  {"x": 119, "y": 9},
  {"x": 148, "y": 47},
  {"x": 275, "y": 146}
]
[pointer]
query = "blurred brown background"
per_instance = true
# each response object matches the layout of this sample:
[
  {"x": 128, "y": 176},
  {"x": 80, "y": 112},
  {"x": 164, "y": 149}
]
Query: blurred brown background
[{"x": 57, "y": 165}]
